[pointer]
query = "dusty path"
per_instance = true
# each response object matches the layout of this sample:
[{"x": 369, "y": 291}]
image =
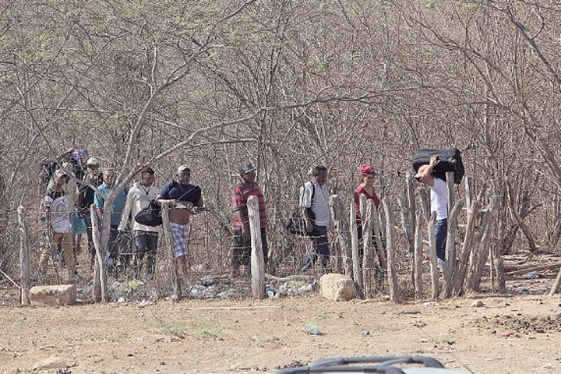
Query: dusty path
[{"x": 518, "y": 334}]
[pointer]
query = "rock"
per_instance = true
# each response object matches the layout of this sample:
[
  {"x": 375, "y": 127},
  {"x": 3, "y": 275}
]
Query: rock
[
  {"x": 53, "y": 295},
  {"x": 311, "y": 329},
  {"x": 50, "y": 363},
  {"x": 477, "y": 304},
  {"x": 337, "y": 287}
]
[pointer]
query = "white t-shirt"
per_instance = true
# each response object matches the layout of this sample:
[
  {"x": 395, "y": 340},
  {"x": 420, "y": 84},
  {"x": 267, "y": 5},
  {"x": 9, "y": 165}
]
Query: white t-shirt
[
  {"x": 320, "y": 204},
  {"x": 59, "y": 212},
  {"x": 439, "y": 199},
  {"x": 137, "y": 199}
]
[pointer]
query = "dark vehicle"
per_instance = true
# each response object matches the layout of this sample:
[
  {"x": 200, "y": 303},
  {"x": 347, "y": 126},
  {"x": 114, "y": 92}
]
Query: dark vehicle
[{"x": 373, "y": 364}]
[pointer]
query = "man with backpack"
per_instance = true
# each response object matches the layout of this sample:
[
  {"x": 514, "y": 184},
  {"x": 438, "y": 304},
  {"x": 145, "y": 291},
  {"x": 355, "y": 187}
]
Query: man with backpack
[
  {"x": 438, "y": 204},
  {"x": 245, "y": 188},
  {"x": 314, "y": 203},
  {"x": 145, "y": 237}
]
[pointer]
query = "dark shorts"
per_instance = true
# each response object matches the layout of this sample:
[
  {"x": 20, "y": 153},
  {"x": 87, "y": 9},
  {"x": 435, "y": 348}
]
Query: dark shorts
[{"x": 241, "y": 253}]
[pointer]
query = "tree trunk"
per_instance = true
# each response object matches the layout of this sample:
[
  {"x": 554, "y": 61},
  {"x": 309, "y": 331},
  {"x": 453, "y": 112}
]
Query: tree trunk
[{"x": 392, "y": 276}]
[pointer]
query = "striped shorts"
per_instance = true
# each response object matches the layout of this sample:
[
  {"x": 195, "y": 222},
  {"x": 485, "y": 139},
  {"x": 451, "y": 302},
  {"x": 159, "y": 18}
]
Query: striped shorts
[{"x": 180, "y": 235}]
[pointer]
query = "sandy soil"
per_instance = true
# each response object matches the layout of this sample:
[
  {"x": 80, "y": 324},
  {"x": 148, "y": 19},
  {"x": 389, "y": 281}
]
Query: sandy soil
[{"x": 515, "y": 333}]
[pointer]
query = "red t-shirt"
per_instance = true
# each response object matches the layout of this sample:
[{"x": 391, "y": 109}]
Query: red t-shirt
[{"x": 360, "y": 189}]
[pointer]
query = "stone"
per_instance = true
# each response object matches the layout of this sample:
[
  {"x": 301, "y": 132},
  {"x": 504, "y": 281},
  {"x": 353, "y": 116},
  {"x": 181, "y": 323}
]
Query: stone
[
  {"x": 50, "y": 363},
  {"x": 477, "y": 304},
  {"x": 64, "y": 294},
  {"x": 337, "y": 287}
]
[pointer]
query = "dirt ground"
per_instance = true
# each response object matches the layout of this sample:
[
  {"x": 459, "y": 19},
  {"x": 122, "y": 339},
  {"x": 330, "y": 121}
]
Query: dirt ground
[{"x": 484, "y": 333}]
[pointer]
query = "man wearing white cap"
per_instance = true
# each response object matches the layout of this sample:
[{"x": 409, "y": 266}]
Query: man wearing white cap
[
  {"x": 438, "y": 204},
  {"x": 182, "y": 196}
]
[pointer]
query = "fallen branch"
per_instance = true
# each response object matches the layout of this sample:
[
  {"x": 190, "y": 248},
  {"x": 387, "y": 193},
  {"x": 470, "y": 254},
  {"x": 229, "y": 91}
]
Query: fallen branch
[
  {"x": 529, "y": 268},
  {"x": 290, "y": 278},
  {"x": 10, "y": 279},
  {"x": 238, "y": 307}
]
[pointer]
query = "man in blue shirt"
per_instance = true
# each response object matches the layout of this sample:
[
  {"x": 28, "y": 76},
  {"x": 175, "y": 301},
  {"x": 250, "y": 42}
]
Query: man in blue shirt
[{"x": 116, "y": 211}]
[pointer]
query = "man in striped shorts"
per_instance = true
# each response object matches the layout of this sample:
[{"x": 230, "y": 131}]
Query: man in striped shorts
[
  {"x": 182, "y": 197},
  {"x": 245, "y": 188}
]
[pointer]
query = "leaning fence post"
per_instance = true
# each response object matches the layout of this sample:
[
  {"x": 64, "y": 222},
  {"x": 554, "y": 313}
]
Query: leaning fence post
[
  {"x": 357, "y": 275},
  {"x": 392, "y": 276},
  {"x": 170, "y": 249},
  {"x": 257, "y": 261},
  {"x": 24, "y": 256}
]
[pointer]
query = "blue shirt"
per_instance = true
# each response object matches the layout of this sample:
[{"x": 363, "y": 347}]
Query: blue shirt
[
  {"x": 118, "y": 204},
  {"x": 177, "y": 191}
]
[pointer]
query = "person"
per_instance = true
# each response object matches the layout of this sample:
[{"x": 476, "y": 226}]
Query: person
[
  {"x": 86, "y": 197},
  {"x": 58, "y": 210},
  {"x": 317, "y": 215},
  {"x": 182, "y": 197},
  {"x": 367, "y": 188},
  {"x": 245, "y": 188},
  {"x": 438, "y": 204},
  {"x": 145, "y": 237},
  {"x": 116, "y": 211},
  {"x": 79, "y": 230}
]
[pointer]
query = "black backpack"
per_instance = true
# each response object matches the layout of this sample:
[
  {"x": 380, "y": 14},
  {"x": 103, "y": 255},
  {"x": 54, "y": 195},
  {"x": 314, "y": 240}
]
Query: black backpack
[
  {"x": 296, "y": 225},
  {"x": 450, "y": 160}
]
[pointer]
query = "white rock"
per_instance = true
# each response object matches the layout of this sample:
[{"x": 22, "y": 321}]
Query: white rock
[
  {"x": 64, "y": 294},
  {"x": 50, "y": 363},
  {"x": 337, "y": 287}
]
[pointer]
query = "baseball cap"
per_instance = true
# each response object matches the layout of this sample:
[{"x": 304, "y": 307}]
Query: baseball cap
[
  {"x": 367, "y": 170},
  {"x": 183, "y": 168},
  {"x": 92, "y": 161},
  {"x": 247, "y": 168},
  {"x": 60, "y": 173}
]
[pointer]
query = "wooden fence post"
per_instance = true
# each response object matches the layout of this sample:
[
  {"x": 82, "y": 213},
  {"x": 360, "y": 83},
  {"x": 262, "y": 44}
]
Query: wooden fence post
[
  {"x": 100, "y": 291},
  {"x": 432, "y": 256},
  {"x": 342, "y": 227},
  {"x": 450, "y": 267},
  {"x": 480, "y": 256},
  {"x": 24, "y": 256},
  {"x": 418, "y": 259},
  {"x": 257, "y": 261},
  {"x": 467, "y": 247},
  {"x": 357, "y": 274},
  {"x": 392, "y": 276},
  {"x": 367, "y": 260},
  {"x": 170, "y": 249}
]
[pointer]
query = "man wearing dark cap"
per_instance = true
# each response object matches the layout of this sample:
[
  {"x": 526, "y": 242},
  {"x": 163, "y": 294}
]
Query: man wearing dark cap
[
  {"x": 182, "y": 196},
  {"x": 245, "y": 188},
  {"x": 145, "y": 237}
]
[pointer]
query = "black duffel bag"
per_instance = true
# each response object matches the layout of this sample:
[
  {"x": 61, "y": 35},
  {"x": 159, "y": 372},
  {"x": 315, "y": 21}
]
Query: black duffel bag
[
  {"x": 151, "y": 215},
  {"x": 450, "y": 160}
]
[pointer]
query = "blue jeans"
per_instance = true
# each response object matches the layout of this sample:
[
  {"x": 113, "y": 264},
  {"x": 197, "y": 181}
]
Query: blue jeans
[
  {"x": 440, "y": 232},
  {"x": 145, "y": 243},
  {"x": 320, "y": 248}
]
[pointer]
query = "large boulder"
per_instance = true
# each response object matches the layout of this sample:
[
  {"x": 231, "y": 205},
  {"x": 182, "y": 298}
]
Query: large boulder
[
  {"x": 64, "y": 294},
  {"x": 337, "y": 287}
]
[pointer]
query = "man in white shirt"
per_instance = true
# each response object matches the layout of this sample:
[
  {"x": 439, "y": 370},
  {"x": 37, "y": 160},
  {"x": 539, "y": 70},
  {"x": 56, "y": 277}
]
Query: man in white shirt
[
  {"x": 317, "y": 215},
  {"x": 438, "y": 204},
  {"x": 145, "y": 237}
]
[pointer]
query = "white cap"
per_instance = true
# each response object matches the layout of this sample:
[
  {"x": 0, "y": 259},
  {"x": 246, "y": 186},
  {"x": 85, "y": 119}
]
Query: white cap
[{"x": 92, "y": 161}]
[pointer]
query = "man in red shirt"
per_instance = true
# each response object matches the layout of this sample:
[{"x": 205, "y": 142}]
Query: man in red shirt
[{"x": 245, "y": 188}]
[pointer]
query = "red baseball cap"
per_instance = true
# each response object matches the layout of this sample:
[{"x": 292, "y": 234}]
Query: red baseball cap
[{"x": 367, "y": 170}]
